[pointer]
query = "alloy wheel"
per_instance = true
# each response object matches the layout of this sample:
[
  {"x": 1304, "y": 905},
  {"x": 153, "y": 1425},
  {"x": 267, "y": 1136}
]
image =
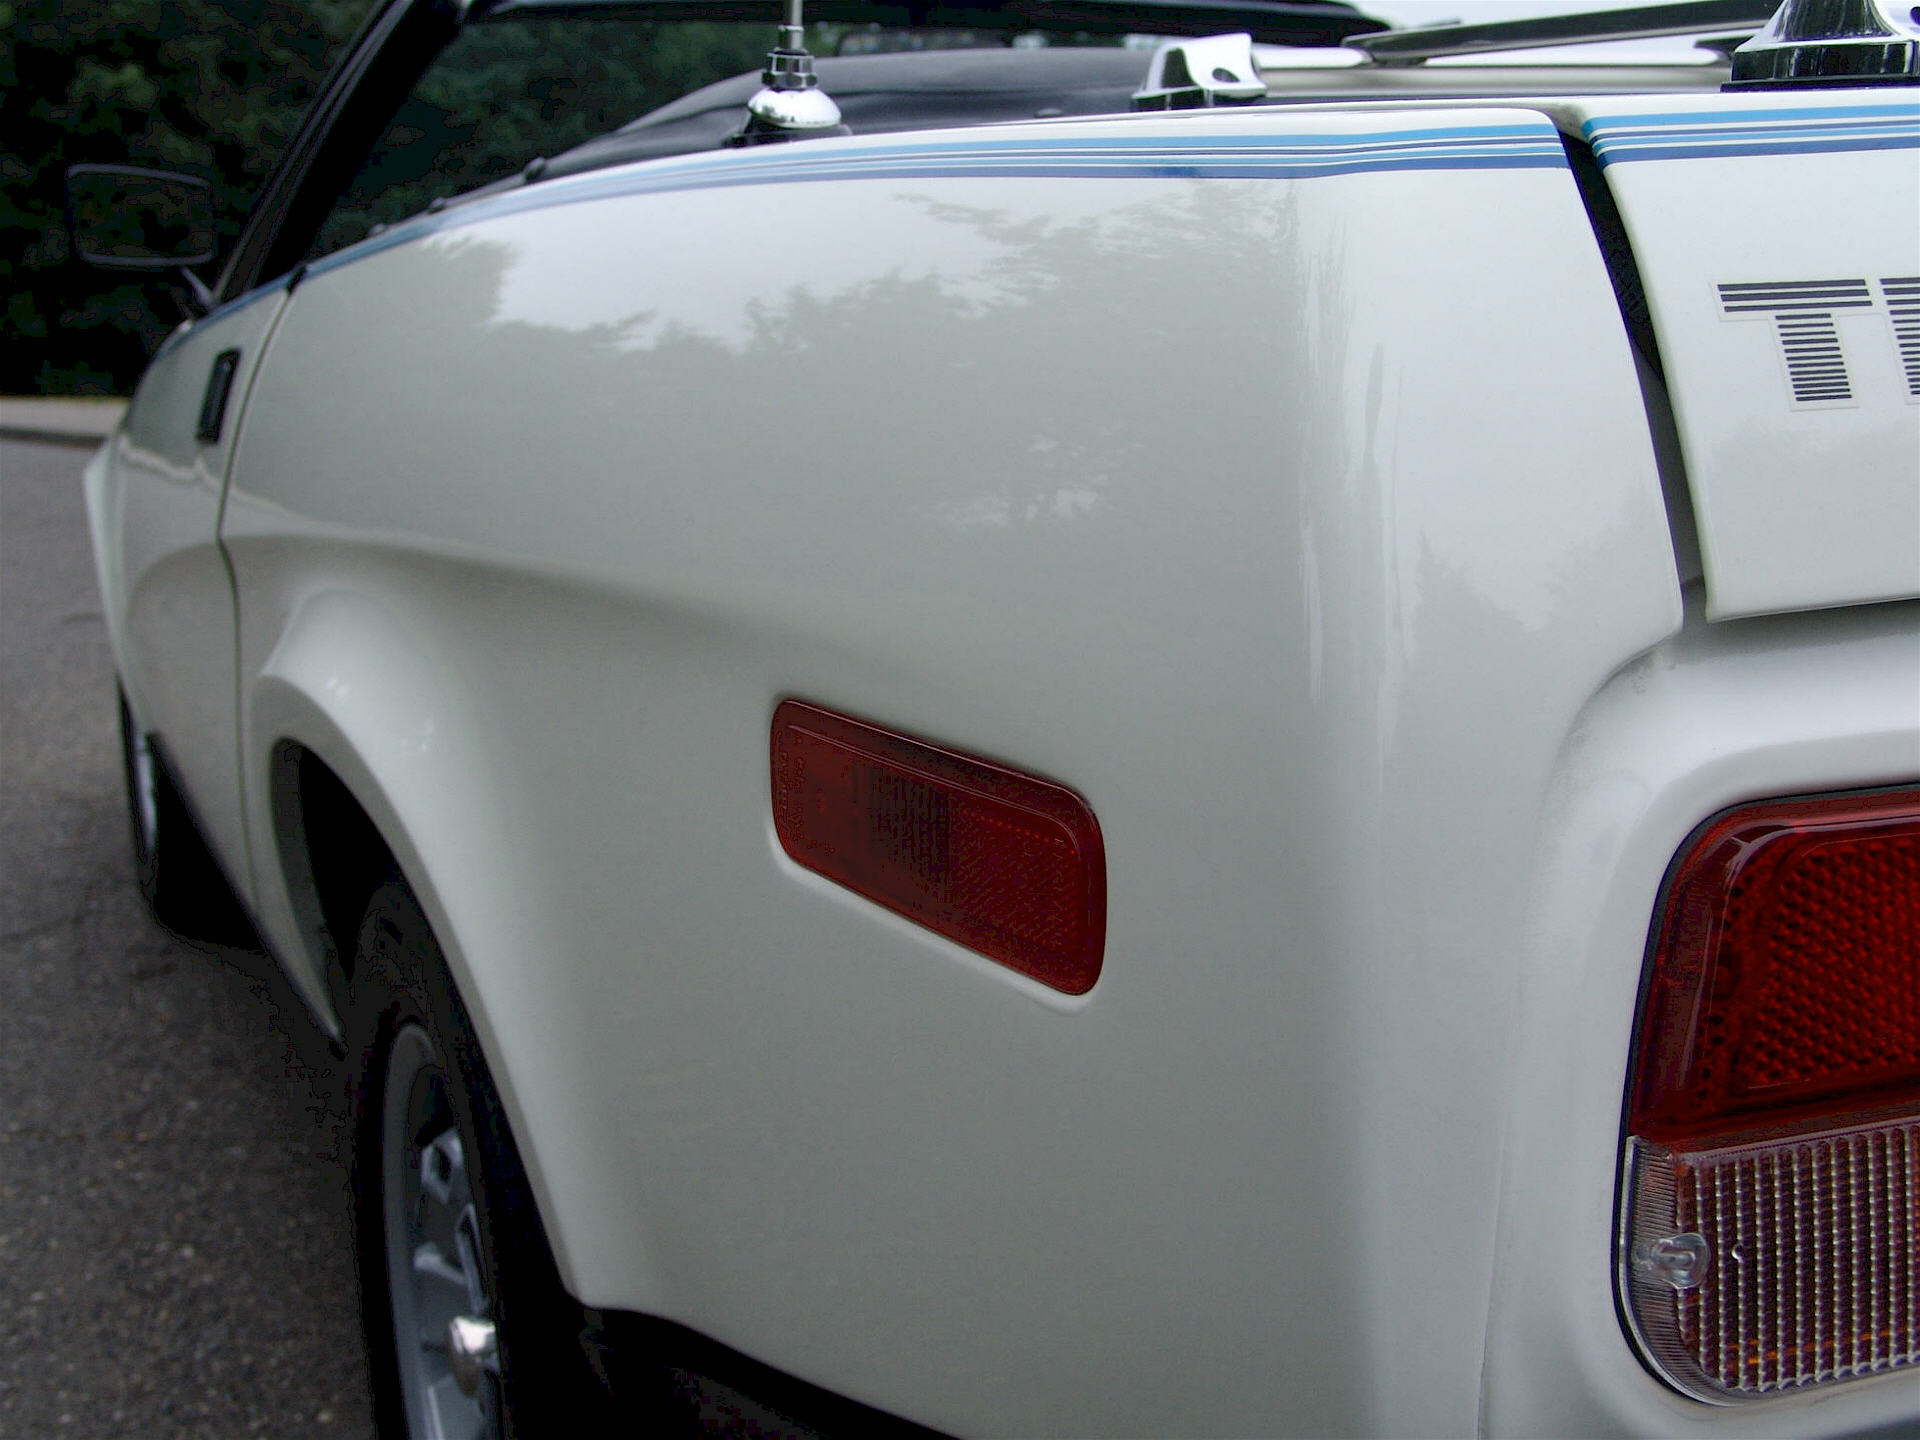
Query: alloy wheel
[{"x": 438, "y": 1277}]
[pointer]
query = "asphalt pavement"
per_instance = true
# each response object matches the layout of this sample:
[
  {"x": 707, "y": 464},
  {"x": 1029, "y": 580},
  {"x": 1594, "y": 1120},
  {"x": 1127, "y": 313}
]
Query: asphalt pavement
[{"x": 174, "y": 1247}]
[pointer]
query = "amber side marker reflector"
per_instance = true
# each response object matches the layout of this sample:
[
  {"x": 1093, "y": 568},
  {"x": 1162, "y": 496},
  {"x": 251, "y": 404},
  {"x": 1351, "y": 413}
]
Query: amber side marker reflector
[
  {"x": 1770, "y": 1217},
  {"x": 1003, "y": 863}
]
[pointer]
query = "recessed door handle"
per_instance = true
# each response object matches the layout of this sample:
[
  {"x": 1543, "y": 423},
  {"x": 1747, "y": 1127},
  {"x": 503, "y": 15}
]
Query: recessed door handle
[{"x": 213, "y": 405}]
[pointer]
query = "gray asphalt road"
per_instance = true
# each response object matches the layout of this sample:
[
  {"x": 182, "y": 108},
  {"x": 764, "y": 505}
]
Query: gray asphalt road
[{"x": 174, "y": 1252}]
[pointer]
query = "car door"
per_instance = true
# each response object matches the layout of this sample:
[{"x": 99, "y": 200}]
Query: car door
[{"x": 160, "y": 496}]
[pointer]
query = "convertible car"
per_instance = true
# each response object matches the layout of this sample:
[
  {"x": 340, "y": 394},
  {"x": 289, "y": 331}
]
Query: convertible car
[{"x": 1097, "y": 719}]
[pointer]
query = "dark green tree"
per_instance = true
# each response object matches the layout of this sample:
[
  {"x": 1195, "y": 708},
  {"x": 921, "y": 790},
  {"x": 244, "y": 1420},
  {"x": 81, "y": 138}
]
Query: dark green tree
[
  {"x": 216, "y": 87},
  {"x": 210, "y": 87}
]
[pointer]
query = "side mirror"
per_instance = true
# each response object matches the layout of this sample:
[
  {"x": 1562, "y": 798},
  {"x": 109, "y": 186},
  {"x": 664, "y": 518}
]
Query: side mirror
[{"x": 126, "y": 217}]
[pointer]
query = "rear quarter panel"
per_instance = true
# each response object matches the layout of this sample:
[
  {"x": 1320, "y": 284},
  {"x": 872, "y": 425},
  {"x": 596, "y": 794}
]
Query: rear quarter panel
[{"x": 1290, "y": 515}]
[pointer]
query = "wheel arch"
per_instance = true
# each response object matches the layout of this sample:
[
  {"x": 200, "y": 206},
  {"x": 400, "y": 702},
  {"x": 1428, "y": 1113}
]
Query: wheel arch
[{"x": 364, "y": 758}]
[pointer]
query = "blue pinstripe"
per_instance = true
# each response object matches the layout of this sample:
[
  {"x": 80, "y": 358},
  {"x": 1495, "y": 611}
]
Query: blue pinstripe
[{"x": 1704, "y": 135}]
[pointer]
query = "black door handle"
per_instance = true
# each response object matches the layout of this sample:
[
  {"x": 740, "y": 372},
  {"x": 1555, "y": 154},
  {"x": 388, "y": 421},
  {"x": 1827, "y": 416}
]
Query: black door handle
[{"x": 213, "y": 405}]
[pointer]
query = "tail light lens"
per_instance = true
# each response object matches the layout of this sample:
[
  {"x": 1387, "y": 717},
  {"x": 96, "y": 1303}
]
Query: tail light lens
[
  {"x": 1771, "y": 1191},
  {"x": 1004, "y": 863}
]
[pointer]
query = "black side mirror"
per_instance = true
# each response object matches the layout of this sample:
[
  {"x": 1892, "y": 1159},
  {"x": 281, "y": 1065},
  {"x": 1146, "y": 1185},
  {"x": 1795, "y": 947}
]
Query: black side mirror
[{"x": 126, "y": 217}]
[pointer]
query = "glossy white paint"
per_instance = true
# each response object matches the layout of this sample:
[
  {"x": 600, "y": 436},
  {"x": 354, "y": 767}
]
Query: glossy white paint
[
  {"x": 1308, "y": 527},
  {"x": 1798, "y": 504},
  {"x": 1292, "y": 522},
  {"x": 154, "y": 506}
]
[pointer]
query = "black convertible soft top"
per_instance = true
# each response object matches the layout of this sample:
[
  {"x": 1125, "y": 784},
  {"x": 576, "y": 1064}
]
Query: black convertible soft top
[
  {"x": 876, "y": 93},
  {"x": 1275, "y": 22},
  {"x": 915, "y": 90}
]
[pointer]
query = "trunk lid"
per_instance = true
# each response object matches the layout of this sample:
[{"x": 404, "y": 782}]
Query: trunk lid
[{"x": 1778, "y": 240}]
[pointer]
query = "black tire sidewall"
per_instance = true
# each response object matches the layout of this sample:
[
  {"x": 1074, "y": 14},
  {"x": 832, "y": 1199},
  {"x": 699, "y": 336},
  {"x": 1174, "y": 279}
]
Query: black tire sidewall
[
  {"x": 178, "y": 877},
  {"x": 146, "y": 848},
  {"x": 399, "y": 978}
]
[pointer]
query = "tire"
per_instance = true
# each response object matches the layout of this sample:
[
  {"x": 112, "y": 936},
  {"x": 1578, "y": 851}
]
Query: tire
[
  {"x": 445, "y": 1227},
  {"x": 178, "y": 876}
]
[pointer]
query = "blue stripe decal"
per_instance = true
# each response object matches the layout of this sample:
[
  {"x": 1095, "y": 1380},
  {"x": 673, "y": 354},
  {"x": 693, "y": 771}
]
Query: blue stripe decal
[
  {"x": 1533, "y": 145},
  {"x": 1669, "y": 132},
  {"x": 1708, "y": 135},
  {"x": 1707, "y": 152},
  {"x": 1908, "y": 111}
]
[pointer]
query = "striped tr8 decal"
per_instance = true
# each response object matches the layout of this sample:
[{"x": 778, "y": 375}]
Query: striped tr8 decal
[
  {"x": 1803, "y": 312},
  {"x": 1903, "y": 303},
  {"x": 1701, "y": 134}
]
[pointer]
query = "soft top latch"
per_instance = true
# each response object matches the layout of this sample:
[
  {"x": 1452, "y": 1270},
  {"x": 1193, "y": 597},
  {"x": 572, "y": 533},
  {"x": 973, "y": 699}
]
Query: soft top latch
[{"x": 1197, "y": 74}]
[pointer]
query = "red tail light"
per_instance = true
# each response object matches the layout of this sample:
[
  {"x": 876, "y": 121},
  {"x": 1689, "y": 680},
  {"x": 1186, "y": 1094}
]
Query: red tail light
[
  {"x": 1004, "y": 863},
  {"x": 1771, "y": 1214}
]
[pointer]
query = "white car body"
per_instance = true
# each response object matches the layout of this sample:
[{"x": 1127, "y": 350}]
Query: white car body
[{"x": 1282, "y": 480}]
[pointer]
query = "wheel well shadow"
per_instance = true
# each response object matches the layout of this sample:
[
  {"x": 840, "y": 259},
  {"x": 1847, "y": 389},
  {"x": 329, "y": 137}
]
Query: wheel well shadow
[{"x": 332, "y": 856}]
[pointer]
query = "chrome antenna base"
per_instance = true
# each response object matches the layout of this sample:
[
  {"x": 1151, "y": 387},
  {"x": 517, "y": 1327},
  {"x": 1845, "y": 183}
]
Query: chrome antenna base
[{"x": 790, "y": 104}]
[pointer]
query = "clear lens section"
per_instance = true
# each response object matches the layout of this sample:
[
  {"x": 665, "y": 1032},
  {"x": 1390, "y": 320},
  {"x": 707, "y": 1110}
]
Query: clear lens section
[{"x": 1767, "y": 1267}]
